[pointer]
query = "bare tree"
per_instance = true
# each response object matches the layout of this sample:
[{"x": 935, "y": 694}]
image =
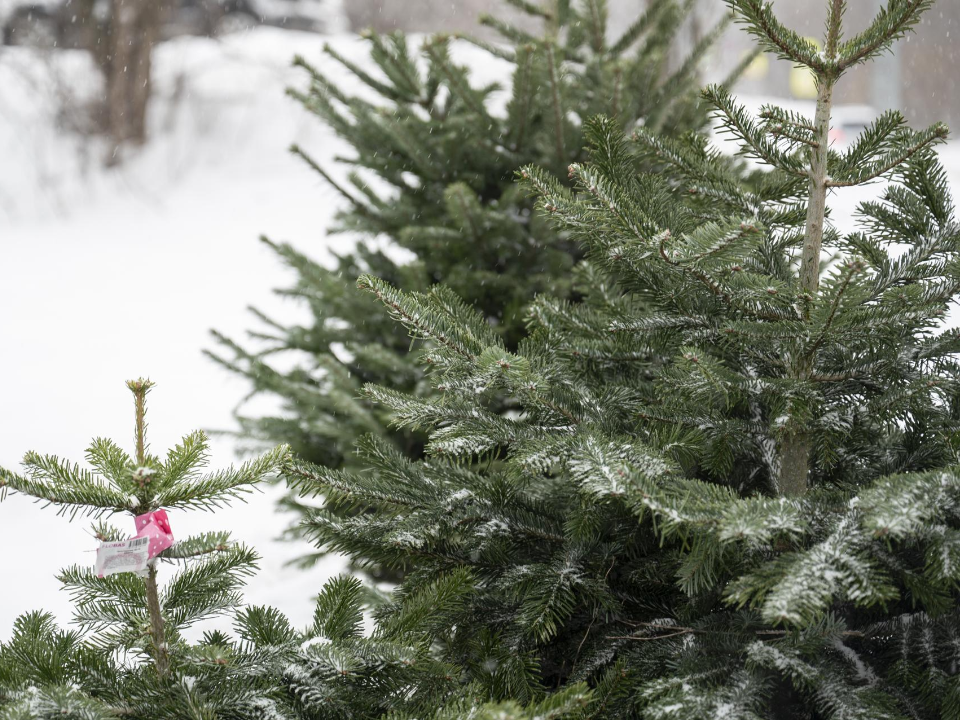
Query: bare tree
[
  {"x": 133, "y": 30},
  {"x": 121, "y": 42}
]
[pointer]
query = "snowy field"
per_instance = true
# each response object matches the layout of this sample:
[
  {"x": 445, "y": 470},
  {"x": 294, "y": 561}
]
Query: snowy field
[{"x": 107, "y": 275}]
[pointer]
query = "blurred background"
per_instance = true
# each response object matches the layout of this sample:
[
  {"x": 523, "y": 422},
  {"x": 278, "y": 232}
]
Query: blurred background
[
  {"x": 920, "y": 80},
  {"x": 120, "y": 37},
  {"x": 143, "y": 150}
]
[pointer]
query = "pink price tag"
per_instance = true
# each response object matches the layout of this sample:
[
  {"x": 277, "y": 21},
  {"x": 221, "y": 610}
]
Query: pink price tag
[{"x": 155, "y": 526}]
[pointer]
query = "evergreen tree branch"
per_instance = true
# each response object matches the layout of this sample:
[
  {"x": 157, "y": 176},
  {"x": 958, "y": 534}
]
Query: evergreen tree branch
[
  {"x": 382, "y": 88},
  {"x": 758, "y": 16},
  {"x": 557, "y": 102},
  {"x": 853, "y": 269},
  {"x": 597, "y": 14},
  {"x": 865, "y": 173},
  {"x": 522, "y": 95},
  {"x": 639, "y": 27},
  {"x": 219, "y": 488},
  {"x": 669, "y": 91},
  {"x": 438, "y": 51},
  {"x": 892, "y": 23},
  {"x": 737, "y": 120},
  {"x": 60, "y": 483},
  {"x": 508, "y": 31},
  {"x": 532, "y": 8},
  {"x": 359, "y": 206}
]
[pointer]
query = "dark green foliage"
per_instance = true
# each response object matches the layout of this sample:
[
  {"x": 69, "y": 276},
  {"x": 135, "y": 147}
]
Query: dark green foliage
[
  {"x": 333, "y": 670},
  {"x": 433, "y": 165},
  {"x": 725, "y": 484}
]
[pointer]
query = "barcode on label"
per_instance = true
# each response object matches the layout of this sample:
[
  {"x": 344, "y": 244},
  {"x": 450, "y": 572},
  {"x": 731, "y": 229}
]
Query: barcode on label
[{"x": 124, "y": 556}]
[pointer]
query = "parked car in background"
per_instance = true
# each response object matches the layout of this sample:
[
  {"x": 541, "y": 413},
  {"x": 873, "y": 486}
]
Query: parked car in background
[
  {"x": 66, "y": 23},
  {"x": 31, "y": 23},
  {"x": 220, "y": 17},
  {"x": 848, "y": 122}
]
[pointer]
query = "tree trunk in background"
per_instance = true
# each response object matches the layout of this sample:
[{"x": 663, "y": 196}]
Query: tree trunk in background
[
  {"x": 134, "y": 28},
  {"x": 88, "y": 30}
]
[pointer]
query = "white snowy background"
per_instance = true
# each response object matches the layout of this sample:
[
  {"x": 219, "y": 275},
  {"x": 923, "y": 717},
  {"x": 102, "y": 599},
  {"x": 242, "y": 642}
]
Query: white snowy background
[{"x": 107, "y": 275}]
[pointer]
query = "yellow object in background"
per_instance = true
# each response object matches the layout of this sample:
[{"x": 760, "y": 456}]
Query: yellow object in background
[
  {"x": 758, "y": 69},
  {"x": 803, "y": 85}
]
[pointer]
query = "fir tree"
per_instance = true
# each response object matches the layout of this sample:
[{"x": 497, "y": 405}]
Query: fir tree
[
  {"x": 729, "y": 484},
  {"x": 128, "y": 656},
  {"x": 446, "y": 158}
]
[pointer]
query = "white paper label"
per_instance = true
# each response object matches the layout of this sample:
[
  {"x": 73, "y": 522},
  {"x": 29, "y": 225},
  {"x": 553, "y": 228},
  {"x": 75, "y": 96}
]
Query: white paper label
[{"x": 123, "y": 556}]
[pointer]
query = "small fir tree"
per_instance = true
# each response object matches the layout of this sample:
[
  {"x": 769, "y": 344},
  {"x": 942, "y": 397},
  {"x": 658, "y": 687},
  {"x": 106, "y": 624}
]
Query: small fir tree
[
  {"x": 128, "y": 656},
  {"x": 729, "y": 486},
  {"x": 446, "y": 157}
]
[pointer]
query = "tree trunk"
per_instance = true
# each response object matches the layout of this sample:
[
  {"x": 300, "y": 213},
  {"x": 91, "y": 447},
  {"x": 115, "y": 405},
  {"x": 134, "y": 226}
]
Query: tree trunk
[
  {"x": 796, "y": 447},
  {"x": 134, "y": 27}
]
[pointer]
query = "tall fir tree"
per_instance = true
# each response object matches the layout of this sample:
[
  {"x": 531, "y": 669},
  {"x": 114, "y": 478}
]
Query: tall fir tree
[
  {"x": 445, "y": 158},
  {"x": 729, "y": 484}
]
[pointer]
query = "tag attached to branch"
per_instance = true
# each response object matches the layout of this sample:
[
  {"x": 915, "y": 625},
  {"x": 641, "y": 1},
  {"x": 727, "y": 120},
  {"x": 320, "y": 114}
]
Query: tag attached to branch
[
  {"x": 153, "y": 537},
  {"x": 122, "y": 556}
]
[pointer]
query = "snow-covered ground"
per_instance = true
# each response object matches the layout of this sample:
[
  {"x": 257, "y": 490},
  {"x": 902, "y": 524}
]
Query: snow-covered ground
[{"x": 107, "y": 275}]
